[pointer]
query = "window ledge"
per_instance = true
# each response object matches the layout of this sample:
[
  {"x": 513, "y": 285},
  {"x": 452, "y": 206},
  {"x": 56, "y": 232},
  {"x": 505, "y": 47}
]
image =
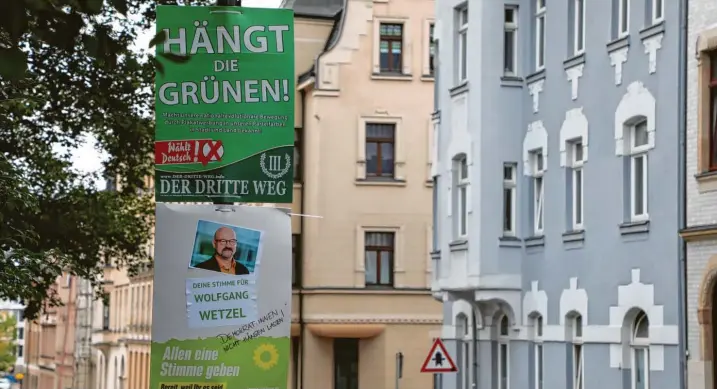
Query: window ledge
[
  {"x": 574, "y": 61},
  {"x": 707, "y": 181},
  {"x": 429, "y": 183},
  {"x": 457, "y": 90},
  {"x": 619, "y": 43},
  {"x": 636, "y": 227},
  {"x": 535, "y": 241},
  {"x": 650, "y": 31},
  {"x": 575, "y": 236},
  {"x": 436, "y": 255},
  {"x": 391, "y": 77},
  {"x": 436, "y": 115},
  {"x": 372, "y": 182},
  {"x": 537, "y": 76},
  {"x": 428, "y": 78},
  {"x": 511, "y": 81},
  {"x": 458, "y": 245},
  {"x": 509, "y": 241}
]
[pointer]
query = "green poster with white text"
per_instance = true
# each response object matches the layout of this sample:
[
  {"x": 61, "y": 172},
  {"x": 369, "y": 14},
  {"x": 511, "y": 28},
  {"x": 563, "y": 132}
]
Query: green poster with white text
[{"x": 224, "y": 104}]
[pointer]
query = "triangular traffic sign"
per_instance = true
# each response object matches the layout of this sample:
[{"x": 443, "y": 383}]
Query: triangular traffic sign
[{"x": 438, "y": 360}]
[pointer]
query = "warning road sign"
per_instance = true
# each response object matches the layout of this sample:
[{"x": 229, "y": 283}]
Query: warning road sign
[{"x": 438, "y": 360}]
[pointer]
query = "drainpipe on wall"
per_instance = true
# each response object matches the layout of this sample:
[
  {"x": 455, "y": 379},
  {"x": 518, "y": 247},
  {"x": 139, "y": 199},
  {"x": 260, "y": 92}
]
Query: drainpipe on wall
[
  {"x": 474, "y": 375},
  {"x": 682, "y": 191},
  {"x": 300, "y": 276}
]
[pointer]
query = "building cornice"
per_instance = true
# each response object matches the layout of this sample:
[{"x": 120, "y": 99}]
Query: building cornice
[
  {"x": 372, "y": 319},
  {"x": 700, "y": 232}
]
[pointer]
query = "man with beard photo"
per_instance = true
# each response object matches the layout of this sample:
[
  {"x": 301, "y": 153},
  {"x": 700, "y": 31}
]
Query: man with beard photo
[{"x": 225, "y": 247}]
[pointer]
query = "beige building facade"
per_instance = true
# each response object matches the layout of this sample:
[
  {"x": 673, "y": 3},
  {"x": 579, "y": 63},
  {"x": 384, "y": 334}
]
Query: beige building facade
[{"x": 50, "y": 342}]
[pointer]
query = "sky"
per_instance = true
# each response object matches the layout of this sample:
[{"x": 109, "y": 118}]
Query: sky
[{"x": 87, "y": 158}]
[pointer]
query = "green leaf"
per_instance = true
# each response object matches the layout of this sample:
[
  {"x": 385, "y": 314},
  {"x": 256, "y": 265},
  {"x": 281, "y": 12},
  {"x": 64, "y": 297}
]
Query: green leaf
[
  {"x": 159, "y": 38},
  {"x": 14, "y": 63},
  {"x": 120, "y": 6},
  {"x": 176, "y": 58}
]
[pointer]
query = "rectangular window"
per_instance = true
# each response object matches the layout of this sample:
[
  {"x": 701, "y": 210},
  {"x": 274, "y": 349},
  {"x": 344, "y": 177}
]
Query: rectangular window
[
  {"x": 295, "y": 259},
  {"x": 346, "y": 363},
  {"x": 712, "y": 136},
  {"x": 390, "y": 47},
  {"x": 578, "y": 366},
  {"x": 379, "y": 249},
  {"x": 106, "y": 316},
  {"x": 577, "y": 189},
  {"x": 380, "y": 146},
  {"x": 503, "y": 360},
  {"x": 658, "y": 10},
  {"x": 641, "y": 368},
  {"x": 538, "y": 366},
  {"x": 638, "y": 171},
  {"x": 21, "y": 333},
  {"x": 510, "y": 41},
  {"x": 298, "y": 144},
  {"x": 462, "y": 31},
  {"x": 623, "y": 17},
  {"x": 540, "y": 34},
  {"x": 20, "y": 351},
  {"x": 509, "y": 194},
  {"x": 538, "y": 193},
  {"x": 462, "y": 194},
  {"x": 431, "y": 49},
  {"x": 579, "y": 25}
]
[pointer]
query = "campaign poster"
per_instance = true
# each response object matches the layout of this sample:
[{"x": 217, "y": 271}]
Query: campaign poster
[
  {"x": 224, "y": 104},
  {"x": 222, "y": 297}
]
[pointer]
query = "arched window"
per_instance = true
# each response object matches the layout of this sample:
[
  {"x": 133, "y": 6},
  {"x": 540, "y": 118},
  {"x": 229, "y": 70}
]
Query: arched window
[
  {"x": 503, "y": 353},
  {"x": 538, "y": 350},
  {"x": 639, "y": 344},
  {"x": 577, "y": 338},
  {"x": 460, "y": 194},
  {"x": 463, "y": 335}
]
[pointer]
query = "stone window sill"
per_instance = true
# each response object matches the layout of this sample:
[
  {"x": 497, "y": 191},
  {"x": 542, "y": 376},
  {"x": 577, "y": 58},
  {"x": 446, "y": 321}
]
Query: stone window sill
[
  {"x": 537, "y": 76},
  {"x": 619, "y": 43},
  {"x": 428, "y": 78},
  {"x": 511, "y": 81},
  {"x": 650, "y": 31},
  {"x": 391, "y": 77},
  {"x": 458, "y": 245},
  {"x": 380, "y": 182},
  {"x": 574, "y": 61},
  {"x": 509, "y": 241},
  {"x": 459, "y": 89},
  {"x": 636, "y": 227},
  {"x": 574, "y": 236},
  {"x": 535, "y": 241},
  {"x": 707, "y": 181}
]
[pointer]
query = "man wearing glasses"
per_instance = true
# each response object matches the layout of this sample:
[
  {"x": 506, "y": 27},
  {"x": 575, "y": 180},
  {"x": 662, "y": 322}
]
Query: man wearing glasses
[{"x": 225, "y": 246}]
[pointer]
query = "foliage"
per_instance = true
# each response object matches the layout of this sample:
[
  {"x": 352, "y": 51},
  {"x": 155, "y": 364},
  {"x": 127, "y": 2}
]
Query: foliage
[
  {"x": 70, "y": 68},
  {"x": 8, "y": 334}
]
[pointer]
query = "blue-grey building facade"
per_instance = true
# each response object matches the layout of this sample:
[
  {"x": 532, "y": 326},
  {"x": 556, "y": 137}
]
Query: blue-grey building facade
[{"x": 557, "y": 184}]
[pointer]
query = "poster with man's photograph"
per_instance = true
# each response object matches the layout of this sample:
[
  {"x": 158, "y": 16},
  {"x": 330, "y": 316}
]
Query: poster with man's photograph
[{"x": 227, "y": 249}]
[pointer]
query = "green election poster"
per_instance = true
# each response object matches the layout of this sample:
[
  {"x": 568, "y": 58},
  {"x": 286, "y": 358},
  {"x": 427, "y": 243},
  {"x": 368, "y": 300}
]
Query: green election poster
[
  {"x": 222, "y": 298},
  {"x": 224, "y": 104}
]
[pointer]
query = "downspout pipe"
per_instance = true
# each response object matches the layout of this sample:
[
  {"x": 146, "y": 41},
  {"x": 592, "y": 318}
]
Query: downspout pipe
[
  {"x": 682, "y": 185},
  {"x": 474, "y": 370},
  {"x": 300, "y": 276}
]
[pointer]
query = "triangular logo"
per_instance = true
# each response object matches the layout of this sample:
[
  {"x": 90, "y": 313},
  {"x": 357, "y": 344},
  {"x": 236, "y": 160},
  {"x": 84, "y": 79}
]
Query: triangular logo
[{"x": 438, "y": 360}]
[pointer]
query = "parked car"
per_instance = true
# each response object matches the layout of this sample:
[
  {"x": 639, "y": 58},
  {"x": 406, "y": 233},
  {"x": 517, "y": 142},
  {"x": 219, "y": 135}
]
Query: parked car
[{"x": 5, "y": 383}]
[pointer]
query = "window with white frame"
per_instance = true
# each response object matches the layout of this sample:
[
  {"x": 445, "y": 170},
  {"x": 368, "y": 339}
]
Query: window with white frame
[
  {"x": 623, "y": 17},
  {"x": 509, "y": 196},
  {"x": 461, "y": 183},
  {"x": 504, "y": 353},
  {"x": 640, "y": 350},
  {"x": 510, "y": 41},
  {"x": 538, "y": 349},
  {"x": 462, "y": 333},
  {"x": 576, "y": 171},
  {"x": 540, "y": 11},
  {"x": 577, "y": 328},
  {"x": 658, "y": 11},
  {"x": 638, "y": 147},
  {"x": 578, "y": 26},
  {"x": 538, "y": 166},
  {"x": 462, "y": 41}
]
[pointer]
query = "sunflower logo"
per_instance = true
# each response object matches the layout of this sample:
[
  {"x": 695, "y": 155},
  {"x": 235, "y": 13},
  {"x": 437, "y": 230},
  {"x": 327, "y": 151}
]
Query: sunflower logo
[{"x": 266, "y": 356}]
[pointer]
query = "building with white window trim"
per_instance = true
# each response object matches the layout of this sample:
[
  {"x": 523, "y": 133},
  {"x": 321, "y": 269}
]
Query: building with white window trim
[
  {"x": 557, "y": 203},
  {"x": 16, "y": 309}
]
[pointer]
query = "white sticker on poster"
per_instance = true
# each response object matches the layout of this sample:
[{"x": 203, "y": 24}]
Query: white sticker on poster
[{"x": 220, "y": 301}]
